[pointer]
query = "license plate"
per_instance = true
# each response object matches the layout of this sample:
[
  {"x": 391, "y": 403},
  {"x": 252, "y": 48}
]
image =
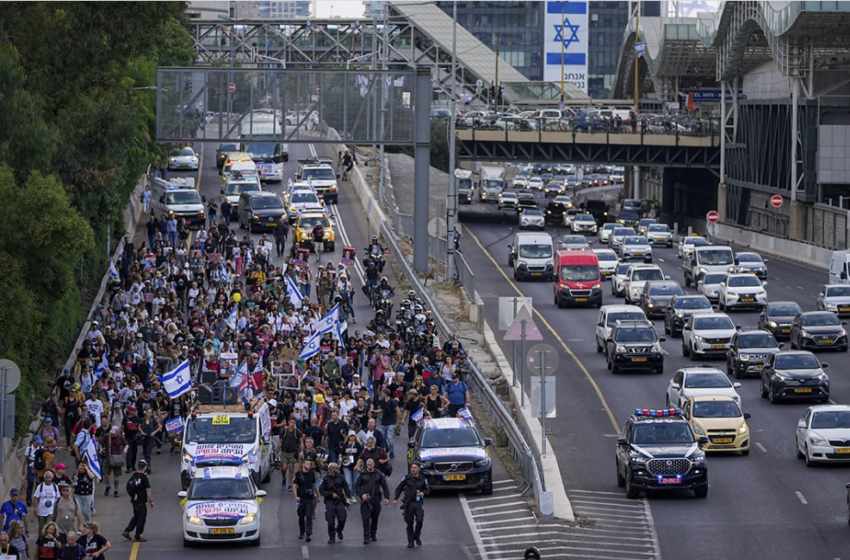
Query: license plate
[
  {"x": 786, "y": 330},
  {"x": 747, "y": 300},
  {"x": 758, "y": 368},
  {"x": 844, "y": 308},
  {"x": 638, "y": 359},
  {"x": 184, "y": 165},
  {"x": 225, "y": 531},
  {"x": 670, "y": 481},
  {"x": 842, "y": 450},
  {"x": 581, "y": 299},
  {"x": 723, "y": 440},
  {"x": 448, "y": 477},
  {"x": 827, "y": 341},
  {"x": 638, "y": 254},
  {"x": 803, "y": 390},
  {"x": 718, "y": 346},
  {"x": 537, "y": 274}
]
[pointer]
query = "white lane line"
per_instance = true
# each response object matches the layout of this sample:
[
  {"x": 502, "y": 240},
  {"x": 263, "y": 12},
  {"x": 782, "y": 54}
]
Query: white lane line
[
  {"x": 761, "y": 447},
  {"x": 599, "y": 492},
  {"x": 503, "y": 482},
  {"x": 485, "y": 507},
  {"x": 479, "y": 544},
  {"x": 653, "y": 532},
  {"x": 661, "y": 260},
  {"x": 305, "y": 552},
  {"x": 802, "y": 498},
  {"x": 789, "y": 288},
  {"x": 502, "y": 521},
  {"x": 519, "y": 551},
  {"x": 801, "y": 287},
  {"x": 607, "y": 503},
  {"x": 476, "y": 500},
  {"x": 832, "y": 401},
  {"x": 519, "y": 510}
]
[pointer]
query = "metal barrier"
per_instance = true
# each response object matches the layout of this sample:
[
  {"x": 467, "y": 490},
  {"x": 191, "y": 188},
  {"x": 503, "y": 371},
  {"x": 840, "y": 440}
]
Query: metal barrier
[
  {"x": 437, "y": 249},
  {"x": 464, "y": 276},
  {"x": 520, "y": 450}
]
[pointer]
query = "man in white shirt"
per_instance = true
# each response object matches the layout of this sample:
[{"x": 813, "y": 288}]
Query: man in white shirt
[
  {"x": 95, "y": 409},
  {"x": 44, "y": 500}
]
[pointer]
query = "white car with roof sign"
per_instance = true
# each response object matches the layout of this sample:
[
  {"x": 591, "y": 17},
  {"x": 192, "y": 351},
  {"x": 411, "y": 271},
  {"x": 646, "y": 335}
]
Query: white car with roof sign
[{"x": 698, "y": 381}]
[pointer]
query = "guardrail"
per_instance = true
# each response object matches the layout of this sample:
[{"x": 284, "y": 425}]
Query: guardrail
[
  {"x": 519, "y": 448},
  {"x": 465, "y": 276}
]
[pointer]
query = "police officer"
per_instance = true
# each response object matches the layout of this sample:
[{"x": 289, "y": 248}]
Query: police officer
[
  {"x": 281, "y": 232},
  {"x": 306, "y": 496},
  {"x": 415, "y": 488},
  {"x": 337, "y": 497},
  {"x": 371, "y": 486}
]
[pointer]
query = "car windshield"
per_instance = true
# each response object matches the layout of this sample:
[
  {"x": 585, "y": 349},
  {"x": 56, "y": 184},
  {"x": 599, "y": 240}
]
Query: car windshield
[
  {"x": 623, "y": 268},
  {"x": 655, "y": 228},
  {"x": 583, "y": 218},
  {"x": 532, "y": 212},
  {"x": 665, "y": 290},
  {"x": 622, "y": 232},
  {"x": 756, "y": 340},
  {"x": 662, "y": 434},
  {"x": 535, "y": 180},
  {"x": 260, "y": 150},
  {"x": 187, "y": 196},
  {"x": 187, "y": 152},
  {"x": 625, "y": 316},
  {"x": 706, "y": 381},
  {"x": 266, "y": 202},
  {"x": 221, "y": 429},
  {"x": 838, "y": 291},
  {"x": 239, "y": 188},
  {"x": 609, "y": 227},
  {"x": 563, "y": 199},
  {"x": 636, "y": 335},
  {"x": 507, "y": 195},
  {"x": 784, "y": 310},
  {"x": 309, "y": 222},
  {"x": 606, "y": 256},
  {"x": 820, "y": 319},
  {"x": 796, "y": 361},
  {"x": 304, "y": 198},
  {"x": 696, "y": 241},
  {"x": 715, "y": 278},
  {"x": 634, "y": 240},
  {"x": 749, "y": 258},
  {"x": 579, "y": 273},
  {"x": 318, "y": 174},
  {"x": 715, "y": 257},
  {"x": 692, "y": 303},
  {"x": 831, "y": 419},
  {"x": 225, "y": 148},
  {"x": 647, "y": 274},
  {"x": 712, "y": 323},
  {"x": 450, "y": 437},
  {"x": 542, "y": 251},
  {"x": 747, "y": 281},
  {"x": 628, "y": 216},
  {"x": 716, "y": 409},
  {"x": 220, "y": 489},
  {"x": 573, "y": 240}
]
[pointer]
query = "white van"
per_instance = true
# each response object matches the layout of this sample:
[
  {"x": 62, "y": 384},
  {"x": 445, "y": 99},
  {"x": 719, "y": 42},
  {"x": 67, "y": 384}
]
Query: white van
[
  {"x": 839, "y": 267},
  {"x": 532, "y": 255},
  {"x": 217, "y": 435},
  {"x": 708, "y": 258},
  {"x": 179, "y": 197}
]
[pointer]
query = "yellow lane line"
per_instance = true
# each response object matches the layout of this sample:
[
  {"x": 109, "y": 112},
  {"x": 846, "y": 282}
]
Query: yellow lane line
[
  {"x": 135, "y": 550},
  {"x": 555, "y": 334}
]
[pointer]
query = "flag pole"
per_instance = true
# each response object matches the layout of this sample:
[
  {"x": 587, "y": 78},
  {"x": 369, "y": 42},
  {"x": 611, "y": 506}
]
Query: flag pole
[{"x": 637, "y": 40}]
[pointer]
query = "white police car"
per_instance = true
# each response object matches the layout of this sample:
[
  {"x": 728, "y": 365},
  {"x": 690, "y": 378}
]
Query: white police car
[
  {"x": 452, "y": 455},
  {"x": 221, "y": 504}
]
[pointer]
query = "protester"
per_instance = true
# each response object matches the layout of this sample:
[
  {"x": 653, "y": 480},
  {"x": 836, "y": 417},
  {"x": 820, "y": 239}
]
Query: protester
[
  {"x": 13, "y": 510},
  {"x": 139, "y": 490},
  {"x": 44, "y": 500},
  {"x": 48, "y": 546}
]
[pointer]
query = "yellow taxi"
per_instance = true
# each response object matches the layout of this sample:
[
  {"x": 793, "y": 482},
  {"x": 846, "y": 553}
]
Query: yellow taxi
[
  {"x": 304, "y": 224},
  {"x": 720, "y": 419},
  {"x": 233, "y": 157}
]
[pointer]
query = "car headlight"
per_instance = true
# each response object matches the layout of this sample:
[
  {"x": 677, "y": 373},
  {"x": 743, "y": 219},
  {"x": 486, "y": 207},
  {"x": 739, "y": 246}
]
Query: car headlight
[
  {"x": 187, "y": 458},
  {"x": 524, "y": 222},
  {"x": 821, "y": 377},
  {"x": 195, "y": 520},
  {"x": 732, "y": 295},
  {"x": 830, "y": 306},
  {"x": 427, "y": 465},
  {"x": 596, "y": 287},
  {"x": 650, "y": 305},
  {"x": 698, "y": 430},
  {"x": 620, "y": 349},
  {"x": 548, "y": 211},
  {"x": 743, "y": 430},
  {"x": 522, "y": 263},
  {"x": 485, "y": 462},
  {"x": 761, "y": 294},
  {"x": 172, "y": 159},
  {"x": 815, "y": 439},
  {"x": 772, "y": 324},
  {"x": 703, "y": 270},
  {"x": 635, "y": 290},
  {"x": 780, "y": 377},
  {"x": 805, "y": 334},
  {"x": 698, "y": 338},
  {"x": 680, "y": 315},
  {"x": 256, "y": 217},
  {"x": 639, "y": 459},
  {"x": 656, "y": 348},
  {"x": 194, "y": 159},
  {"x": 744, "y": 358},
  {"x": 250, "y": 518}
]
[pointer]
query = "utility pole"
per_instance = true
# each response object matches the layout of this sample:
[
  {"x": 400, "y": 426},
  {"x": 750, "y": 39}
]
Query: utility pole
[
  {"x": 637, "y": 40},
  {"x": 452, "y": 202},
  {"x": 563, "y": 18},
  {"x": 496, "y": 99}
]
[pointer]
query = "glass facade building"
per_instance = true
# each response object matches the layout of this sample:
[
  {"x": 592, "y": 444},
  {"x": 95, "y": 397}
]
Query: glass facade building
[{"x": 608, "y": 22}]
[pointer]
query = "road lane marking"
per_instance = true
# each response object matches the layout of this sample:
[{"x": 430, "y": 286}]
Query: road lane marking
[
  {"x": 479, "y": 543},
  {"x": 134, "y": 552},
  {"x": 567, "y": 349},
  {"x": 801, "y": 287},
  {"x": 761, "y": 447},
  {"x": 504, "y": 482},
  {"x": 305, "y": 552},
  {"x": 802, "y": 499}
]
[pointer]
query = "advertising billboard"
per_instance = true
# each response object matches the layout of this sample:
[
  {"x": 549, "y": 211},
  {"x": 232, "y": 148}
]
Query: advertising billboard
[{"x": 566, "y": 31}]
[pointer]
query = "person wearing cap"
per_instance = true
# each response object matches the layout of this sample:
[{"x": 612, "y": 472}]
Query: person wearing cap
[
  {"x": 60, "y": 474},
  {"x": 49, "y": 428},
  {"x": 413, "y": 404},
  {"x": 67, "y": 512},
  {"x": 141, "y": 495},
  {"x": 351, "y": 450},
  {"x": 50, "y": 409},
  {"x": 13, "y": 509},
  {"x": 458, "y": 394}
]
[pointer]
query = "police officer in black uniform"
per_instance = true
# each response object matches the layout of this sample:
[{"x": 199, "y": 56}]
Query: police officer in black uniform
[
  {"x": 415, "y": 488},
  {"x": 371, "y": 486},
  {"x": 337, "y": 497},
  {"x": 306, "y": 496},
  {"x": 281, "y": 232}
]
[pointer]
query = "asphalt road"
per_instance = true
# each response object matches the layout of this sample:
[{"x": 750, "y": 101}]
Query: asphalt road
[
  {"x": 447, "y": 530},
  {"x": 764, "y": 506}
]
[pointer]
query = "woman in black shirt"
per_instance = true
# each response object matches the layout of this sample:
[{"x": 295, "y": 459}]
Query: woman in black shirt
[
  {"x": 435, "y": 403},
  {"x": 93, "y": 542}
]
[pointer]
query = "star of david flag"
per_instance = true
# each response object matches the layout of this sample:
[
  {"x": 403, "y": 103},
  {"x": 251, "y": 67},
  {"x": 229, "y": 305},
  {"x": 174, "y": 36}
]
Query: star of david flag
[
  {"x": 640, "y": 48},
  {"x": 91, "y": 457},
  {"x": 178, "y": 381},
  {"x": 113, "y": 272},
  {"x": 417, "y": 416},
  {"x": 330, "y": 324},
  {"x": 102, "y": 366},
  {"x": 311, "y": 347},
  {"x": 232, "y": 318},
  {"x": 293, "y": 293},
  {"x": 224, "y": 272}
]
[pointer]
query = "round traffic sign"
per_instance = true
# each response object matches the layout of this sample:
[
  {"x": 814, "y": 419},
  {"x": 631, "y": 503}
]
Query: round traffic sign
[
  {"x": 713, "y": 217},
  {"x": 551, "y": 357},
  {"x": 437, "y": 227},
  {"x": 776, "y": 201},
  {"x": 231, "y": 87},
  {"x": 13, "y": 374}
]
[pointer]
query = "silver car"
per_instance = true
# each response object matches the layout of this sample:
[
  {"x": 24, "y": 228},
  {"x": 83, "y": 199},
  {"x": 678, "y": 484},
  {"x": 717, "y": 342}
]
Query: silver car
[
  {"x": 709, "y": 285},
  {"x": 605, "y": 232},
  {"x": 617, "y": 236},
  {"x": 635, "y": 247},
  {"x": 573, "y": 243},
  {"x": 659, "y": 234},
  {"x": 835, "y": 298}
]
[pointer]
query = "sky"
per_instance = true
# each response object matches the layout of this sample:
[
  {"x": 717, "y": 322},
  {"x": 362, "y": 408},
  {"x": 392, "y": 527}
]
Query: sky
[{"x": 340, "y": 8}]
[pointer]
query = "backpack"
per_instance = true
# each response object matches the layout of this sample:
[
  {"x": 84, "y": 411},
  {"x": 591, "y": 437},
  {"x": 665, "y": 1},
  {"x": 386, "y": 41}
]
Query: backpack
[{"x": 38, "y": 462}]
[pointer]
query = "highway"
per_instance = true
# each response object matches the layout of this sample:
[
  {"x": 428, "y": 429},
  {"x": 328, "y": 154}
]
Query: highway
[
  {"x": 447, "y": 530},
  {"x": 764, "y": 506}
]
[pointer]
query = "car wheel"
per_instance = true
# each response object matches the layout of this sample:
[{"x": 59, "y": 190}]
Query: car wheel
[
  {"x": 666, "y": 328},
  {"x": 745, "y": 452},
  {"x": 250, "y": 228},
  {"x": 632, "y": 493},
  {"x": 763, "y": 389},
  {"x": 621, "y": 481},
  {"x": 488, "y": 489},
  {"x": 615, "y": 369},
  {"x": 809, "y": 462},
  {"x": 667, "y": 401},
  {"x": 607, "y": 362},
  {"x": 685, "y": 352},
  {"x": 739, "y": 374},
  {"x": 598, "y": 347},
  {"x": 774, "y": 398},
  {"x": 797, "y": 449},
  {"x": 701, "y": 492},
  {"x": 659, "y": 370},
  {"x": 687, "y": 281},
  {"x": 256, "y": 542},
  {"x": 516, "y": 276},
  {"x": 694, "y": 354}
]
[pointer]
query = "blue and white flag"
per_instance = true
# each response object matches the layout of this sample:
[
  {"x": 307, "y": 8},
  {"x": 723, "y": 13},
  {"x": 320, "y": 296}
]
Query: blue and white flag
[
  {"x": 91, "y": 456},
  {"x": 233, "y": 317},
  {"x": 417, "y": 416},
  {"x": 640, "y": 49},
  {"x": 102, "y": 366},
  {"x": 113, "y": 272},
  {"x": 174, "y": 426},
  {"x": 178, "y": 381},
  {"x": 330, "y": 324},
  {"x": 293, "y": 293},
  {"x": 224, "y": 276},
  {"x": 312, "y": 346},
  {"x": 464, "y": 413},
  {"x": 309, "y": 25}
]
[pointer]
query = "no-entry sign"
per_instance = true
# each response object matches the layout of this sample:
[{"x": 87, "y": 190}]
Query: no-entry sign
[
  {"x": 231, "y": 87},
  {"x": 776, "y": 201},
  {"x": 713, "y": 217}
]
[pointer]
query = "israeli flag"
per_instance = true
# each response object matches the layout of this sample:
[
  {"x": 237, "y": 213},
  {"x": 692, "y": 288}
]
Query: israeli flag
[
  {"x": 309, "y": 26},
  {"x": 640, "y": 49},
  {"x": 174, "y": 426},
  {"x": 464, "y": 413},
  {"x": 178, "y": 381},
  {"x": 417, "y": 416},
  {"x": 224, "y": 276},
  {"x": 103, "y": 365},
  {"x": 312, "y": 347},
  {"x": 113, "y": 272},
  {"x": 330, "y": 321},
  {"x": 240, "y": 375},
  {"x": 91, "y": 457},
  {"x": 232, "y": 318},
  {"x": 293, "y": 293}
]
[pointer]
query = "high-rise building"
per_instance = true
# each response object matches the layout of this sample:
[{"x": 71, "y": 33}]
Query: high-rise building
[{"x": 607, "y": 22}]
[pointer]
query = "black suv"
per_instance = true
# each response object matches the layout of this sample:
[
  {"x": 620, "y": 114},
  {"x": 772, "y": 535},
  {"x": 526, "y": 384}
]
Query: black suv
[
  {"x": 554, "y": 212},
  {"x": 656, "y": 451},
  {"x": 525, "y": 199},
  {"x": 777, "y": 317},
  {"x": 682, "y": 307},
  {"x": 748, "y": 352},
  {"x": 656, "y": 297},
  {"x": 634, "y": 345},
  {"x": 452, "y": 455}
]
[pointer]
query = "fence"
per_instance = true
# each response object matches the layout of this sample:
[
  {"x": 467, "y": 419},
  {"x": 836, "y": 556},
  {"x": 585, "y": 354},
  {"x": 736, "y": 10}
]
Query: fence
[
  {"x": 464, "y": 275},
  {"x": 826, "y": 226}
]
